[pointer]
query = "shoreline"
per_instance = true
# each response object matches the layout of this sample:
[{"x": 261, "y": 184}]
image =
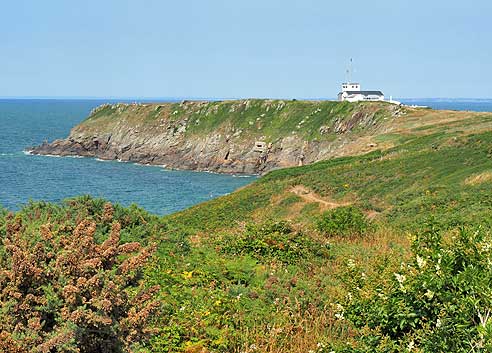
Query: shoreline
[
  {"x": 29, "y": 152},
  {"x": 245, "y": 137}
]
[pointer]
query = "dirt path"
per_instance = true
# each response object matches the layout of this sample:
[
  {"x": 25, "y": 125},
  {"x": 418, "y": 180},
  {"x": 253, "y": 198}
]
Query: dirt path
[{"x": 309, "y": 196}]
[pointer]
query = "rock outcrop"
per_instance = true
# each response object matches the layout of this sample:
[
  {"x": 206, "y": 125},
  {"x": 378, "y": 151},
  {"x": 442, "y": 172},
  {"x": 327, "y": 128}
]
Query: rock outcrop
[{"x": 246, "y": 136}]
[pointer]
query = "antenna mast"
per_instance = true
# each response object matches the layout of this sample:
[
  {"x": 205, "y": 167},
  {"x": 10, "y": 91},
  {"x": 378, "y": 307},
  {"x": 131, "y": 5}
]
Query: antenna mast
[{"x": 350, "y": 70}]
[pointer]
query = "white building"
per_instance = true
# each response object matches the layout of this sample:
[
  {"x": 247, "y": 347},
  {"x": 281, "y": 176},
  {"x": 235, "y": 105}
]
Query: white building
[{"x": 351, "y": 92}]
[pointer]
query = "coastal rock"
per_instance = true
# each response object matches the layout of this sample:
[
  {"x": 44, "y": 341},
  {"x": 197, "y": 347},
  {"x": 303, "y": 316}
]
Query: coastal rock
[{"x": 217, "y": 136}]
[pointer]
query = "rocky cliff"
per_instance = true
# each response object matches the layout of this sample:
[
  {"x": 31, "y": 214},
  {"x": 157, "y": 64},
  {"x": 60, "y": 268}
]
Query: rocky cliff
[{"x": 243, "y": 136}]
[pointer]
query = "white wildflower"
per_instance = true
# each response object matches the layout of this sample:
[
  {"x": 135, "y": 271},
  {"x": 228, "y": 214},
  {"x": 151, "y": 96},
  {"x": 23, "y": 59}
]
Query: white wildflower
[
  {"x": 400, "y": 278},
  {"x": 351, "y": 264},
  {"x": 421, "y": 262},
  {"x": 438, "y": 323},
  {"x": 411, "y": 345},
  {"x": 429, "y": 294},
  {"x": 339, "y": 312}
]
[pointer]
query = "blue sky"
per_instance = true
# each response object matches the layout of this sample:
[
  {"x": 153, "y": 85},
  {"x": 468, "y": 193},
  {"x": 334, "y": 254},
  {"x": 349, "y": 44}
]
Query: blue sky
[{"x": 236, "y": 48}]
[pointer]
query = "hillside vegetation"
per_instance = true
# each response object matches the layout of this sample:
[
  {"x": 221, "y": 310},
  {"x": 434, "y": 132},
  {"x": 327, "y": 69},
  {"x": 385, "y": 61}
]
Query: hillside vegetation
[
  {"x": 387, "y": 251},
  {"x": 442, "y": 174},
  {"x": 255, "y": 118},
  {"x": 250, "y": 136}
]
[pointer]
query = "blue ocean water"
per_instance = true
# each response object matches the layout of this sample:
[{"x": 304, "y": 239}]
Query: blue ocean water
[
  {"x": 478, "y": 105},
  {"x": 23, "y": 177}
]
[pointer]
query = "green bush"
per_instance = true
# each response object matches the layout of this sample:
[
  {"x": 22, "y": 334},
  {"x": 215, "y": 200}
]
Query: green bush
[
  {"x": 343, "y": 221},
  {"x": 439, "y": 302},
  {"x": 273, "y": 241}
]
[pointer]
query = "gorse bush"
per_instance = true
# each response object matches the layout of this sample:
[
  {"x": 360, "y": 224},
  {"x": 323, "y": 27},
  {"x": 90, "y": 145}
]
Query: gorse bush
[
  {"x": 343, "y": 221},
  {"x": 61, "y": 291},
  {"x": 273, "y": 241},
  {"x": 441, "y": 301}
]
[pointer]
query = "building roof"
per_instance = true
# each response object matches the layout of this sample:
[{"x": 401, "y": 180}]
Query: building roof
[{"x": 366, "y": 93}]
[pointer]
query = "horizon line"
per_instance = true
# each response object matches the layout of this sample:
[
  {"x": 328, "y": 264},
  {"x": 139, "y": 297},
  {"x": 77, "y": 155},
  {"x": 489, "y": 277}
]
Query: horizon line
[{"x": 212, "y": 98}]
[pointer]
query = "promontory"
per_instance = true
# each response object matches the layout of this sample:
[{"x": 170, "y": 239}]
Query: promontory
[{"x": 250, "y": 136}]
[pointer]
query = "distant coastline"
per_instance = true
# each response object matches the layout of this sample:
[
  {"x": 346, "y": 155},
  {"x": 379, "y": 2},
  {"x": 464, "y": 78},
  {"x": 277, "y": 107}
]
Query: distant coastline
[{"x": 462, "y": 104}]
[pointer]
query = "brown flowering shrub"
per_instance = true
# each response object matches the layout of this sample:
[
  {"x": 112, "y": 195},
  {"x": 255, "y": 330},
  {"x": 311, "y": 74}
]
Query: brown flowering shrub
[{"x": 63, "y": 291}]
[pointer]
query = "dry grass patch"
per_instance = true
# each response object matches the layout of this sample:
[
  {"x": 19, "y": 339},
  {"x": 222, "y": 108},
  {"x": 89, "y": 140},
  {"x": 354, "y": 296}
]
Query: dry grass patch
[{"x": 476, "y": 179}]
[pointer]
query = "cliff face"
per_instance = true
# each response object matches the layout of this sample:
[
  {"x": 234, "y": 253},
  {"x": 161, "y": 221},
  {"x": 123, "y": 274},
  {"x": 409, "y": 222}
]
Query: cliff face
[{"x": 245, "y": 136}]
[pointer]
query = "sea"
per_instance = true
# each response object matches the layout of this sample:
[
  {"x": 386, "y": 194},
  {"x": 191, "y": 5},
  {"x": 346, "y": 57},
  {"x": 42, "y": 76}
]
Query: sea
[{"x": 24, "y": 177}]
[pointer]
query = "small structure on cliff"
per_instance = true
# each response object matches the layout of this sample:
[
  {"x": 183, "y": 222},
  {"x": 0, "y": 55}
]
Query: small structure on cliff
[
  {"x": 351, "y": 91},
  {"x": 260, "y": 146}
]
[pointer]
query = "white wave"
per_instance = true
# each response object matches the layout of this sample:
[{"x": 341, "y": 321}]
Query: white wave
[{"x": 50, "y": 155}]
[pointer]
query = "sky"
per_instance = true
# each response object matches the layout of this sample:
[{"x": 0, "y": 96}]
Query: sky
[{"x": 244, "y": 48}]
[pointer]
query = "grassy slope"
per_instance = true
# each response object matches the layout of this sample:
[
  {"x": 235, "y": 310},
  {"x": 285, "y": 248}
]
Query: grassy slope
[
  {"x": 268, "y": 120},
  {"x": 275, "y": 116},
  {"x": 439, "y": 168},
  {"x": 370, "y": 125},
  {"x": 422, "y": 176},
  {"x": 228, "y": 287}
]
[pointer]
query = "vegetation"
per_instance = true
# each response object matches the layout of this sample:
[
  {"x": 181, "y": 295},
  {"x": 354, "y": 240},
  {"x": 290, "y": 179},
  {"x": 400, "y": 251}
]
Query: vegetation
[
  {"x": 383, "y": 252},
  {"x": 434, "y": 187},
  {"x": 61, "y": 291},
  {"x": 273, "y": 241},
  {"x": 343, "y": 221},
  {"x": 271, "y": 119},
  {"x": 438, "y": 301}
]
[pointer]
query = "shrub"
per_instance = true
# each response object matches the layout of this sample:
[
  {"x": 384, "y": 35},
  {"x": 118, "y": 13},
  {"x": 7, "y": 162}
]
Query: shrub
[
  {"x": 439, "y": 302},
  {"x": 273, "y": 241},
  {"x": 61, "y": 291},
  {"x": 343, "y": 221}
]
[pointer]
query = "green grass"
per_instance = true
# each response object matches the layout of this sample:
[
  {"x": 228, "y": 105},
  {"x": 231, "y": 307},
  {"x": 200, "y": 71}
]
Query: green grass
[
  {"x": 234, "y": 275},
  {"x": 422, "y": 177},
  {"x": 274, "y": 119},
  {"x": 269, "y": 120}
]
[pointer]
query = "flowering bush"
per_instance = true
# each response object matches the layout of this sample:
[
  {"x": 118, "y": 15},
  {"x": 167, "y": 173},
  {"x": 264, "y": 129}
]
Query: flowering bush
[
  {"x": 61, "y": 291},
  {"x": 441, "y": 301}
]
